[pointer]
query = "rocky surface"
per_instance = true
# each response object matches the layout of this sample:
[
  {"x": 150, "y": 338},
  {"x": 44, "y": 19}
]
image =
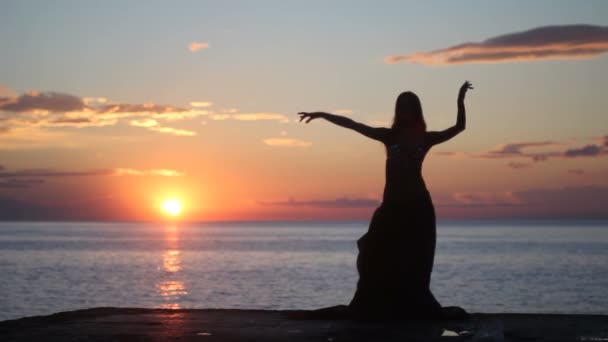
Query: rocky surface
[{"x": 127, "y": 324}]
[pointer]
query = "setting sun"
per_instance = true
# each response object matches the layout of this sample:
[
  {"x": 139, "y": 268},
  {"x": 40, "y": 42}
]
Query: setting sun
[{"x": 172, "y": 207}]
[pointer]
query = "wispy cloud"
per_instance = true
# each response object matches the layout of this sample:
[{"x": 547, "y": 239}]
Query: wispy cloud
[
  {"x": 201, "y": 104},
  {"x": 16, "y": 183},
  {"x": 232, "y": 115},
  {"x": 286, "y": 142},
  {"x": 546, "y": 42},
  {"x": 507, "y": 198},
  {"x": 342, "y": 202},
  {"x": 51, "y": 173},
  {"x": 511, "y": 150},
  {"x": 577, "y": 172},
  {"x": 150, "y": 172},
  {"x": 197, "y": 46},
  {"x": 518, "y": 165},
  {"x": 173, "y": 131},
  {"x": 153, "y": 125},
  {"x": 54, "y": 173},
  {"x": 530, "y": 150},
  {"x": 144, "y": 123}
]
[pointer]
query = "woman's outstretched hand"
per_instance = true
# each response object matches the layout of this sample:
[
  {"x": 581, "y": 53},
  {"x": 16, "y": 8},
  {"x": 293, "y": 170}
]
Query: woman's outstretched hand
[
  {"x": 310, "y": 116},
  {"x": 463, "y": 89}
]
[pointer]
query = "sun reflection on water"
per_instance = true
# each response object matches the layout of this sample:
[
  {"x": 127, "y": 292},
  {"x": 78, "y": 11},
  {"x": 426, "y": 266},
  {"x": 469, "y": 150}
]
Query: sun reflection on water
[
  {"x": 171, "y": 288},
  {"x": 171, "y": 261}
]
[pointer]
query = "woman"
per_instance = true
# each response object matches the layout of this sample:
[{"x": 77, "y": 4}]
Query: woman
[{"x": 396, "y": 254}]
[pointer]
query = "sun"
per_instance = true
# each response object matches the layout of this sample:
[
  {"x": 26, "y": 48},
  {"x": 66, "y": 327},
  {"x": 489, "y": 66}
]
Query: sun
[{"x": 172, "y": 207}]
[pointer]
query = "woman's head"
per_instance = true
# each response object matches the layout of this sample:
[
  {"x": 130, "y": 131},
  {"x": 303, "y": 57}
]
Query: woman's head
[{"x": 408, "y": 113}]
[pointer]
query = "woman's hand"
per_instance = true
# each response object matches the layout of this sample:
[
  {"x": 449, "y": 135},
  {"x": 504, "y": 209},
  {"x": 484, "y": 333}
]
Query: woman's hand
[
  {"x": 310, "y": 116},
  {"x": 463, "y": 89}
]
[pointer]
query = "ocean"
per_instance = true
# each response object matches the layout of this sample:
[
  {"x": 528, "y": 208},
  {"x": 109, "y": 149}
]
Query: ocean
[{"x": 483, "y": 266}]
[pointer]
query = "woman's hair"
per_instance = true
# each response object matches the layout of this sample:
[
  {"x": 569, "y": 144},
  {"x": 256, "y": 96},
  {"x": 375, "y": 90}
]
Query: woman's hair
[{"x": 408, "y": 114}]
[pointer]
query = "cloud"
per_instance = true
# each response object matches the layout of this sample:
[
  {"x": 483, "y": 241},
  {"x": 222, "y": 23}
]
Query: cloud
[
  {"x": 173, "y": 131},
  {"x": 515, "y": 149},
  {"x": 286, "y": 142},
  {"x": 153, "y": 125},
  {"x": 342, "y": 202},
  {"x": 44, "y": 173},
  {"x": 546, "y": 42},
  {"x": 234, "y": 115},
  {"x": 577, "y": 172},
  {"x": 144, "y": 123},
  {"x": 16, "y": 183},
  {"x": 36, "y": 111},
  {"x": 197, "y": 46},
  {"x": 506, "y": 198},
  {"x": 18, "y": 138},
  {"x": 52, "y": 109},
  {"x": 520, "y": 150},
  {"x": 97, "y": 209},
  {"x": 54, "y": 173},
  {"x": 586, "y": 151},
  {"x": 150, "y": 172},
  {"x": 581, "y": 202},
  {"x": 51, "y": 102},
  {"x": 517, "y": 165},
  {"x": 201, "y": 104}
]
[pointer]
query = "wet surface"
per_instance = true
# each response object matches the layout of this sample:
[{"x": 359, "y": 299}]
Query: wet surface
[{"x": 122, "y": 324}]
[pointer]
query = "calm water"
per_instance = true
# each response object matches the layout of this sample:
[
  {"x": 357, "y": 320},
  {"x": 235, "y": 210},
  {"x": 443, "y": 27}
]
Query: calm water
[{"x": 542, "y": 266}]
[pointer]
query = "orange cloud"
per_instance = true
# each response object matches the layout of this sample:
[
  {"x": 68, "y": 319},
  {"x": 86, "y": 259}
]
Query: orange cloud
[
  {"x": 43, "y": 173},
  {"x": 174, "y": 131},
  {"x": 199, "y": 104},
  {"x": 151, "y": 172},
  {"x": 52, "y": 109},
  {"x": 249, "y": 116},
  {"x": 144, "y": 123},
  {"x": 342, "y": 202},
  {"x": 197, "y": 46},
  {"x": 546, "y": 42},
  {"x": 286, "y": 142}
]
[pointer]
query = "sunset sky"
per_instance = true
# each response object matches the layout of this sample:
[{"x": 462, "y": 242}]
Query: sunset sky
[{"x": 109, "y": 108}]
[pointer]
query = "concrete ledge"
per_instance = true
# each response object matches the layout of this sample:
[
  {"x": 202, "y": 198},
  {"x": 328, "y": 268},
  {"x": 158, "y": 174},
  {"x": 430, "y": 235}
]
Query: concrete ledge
[{"x": 133, "y": 324}]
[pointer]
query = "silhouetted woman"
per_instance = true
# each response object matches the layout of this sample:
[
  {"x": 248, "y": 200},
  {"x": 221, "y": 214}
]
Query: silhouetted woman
[{"x": 396, "y": 254}]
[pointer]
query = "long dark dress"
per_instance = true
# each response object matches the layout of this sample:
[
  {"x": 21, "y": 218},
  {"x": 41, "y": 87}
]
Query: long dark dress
[{"x": 396, "y": 254}]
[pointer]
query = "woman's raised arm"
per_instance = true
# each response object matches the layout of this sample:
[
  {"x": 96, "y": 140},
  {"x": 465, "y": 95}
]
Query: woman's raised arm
[
  {"x": 376, "y": 133},
  {"x": 445, "y": 135}
]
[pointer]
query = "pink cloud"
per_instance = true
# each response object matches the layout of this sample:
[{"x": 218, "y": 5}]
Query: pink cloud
[
  {"x": 197, "y": 46},
  {"x": 286, "y": 142},
  {"x": 520, "y": 150},
  {"x": 517, "y": 165},
  {"x": 546, "y": 42}
]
